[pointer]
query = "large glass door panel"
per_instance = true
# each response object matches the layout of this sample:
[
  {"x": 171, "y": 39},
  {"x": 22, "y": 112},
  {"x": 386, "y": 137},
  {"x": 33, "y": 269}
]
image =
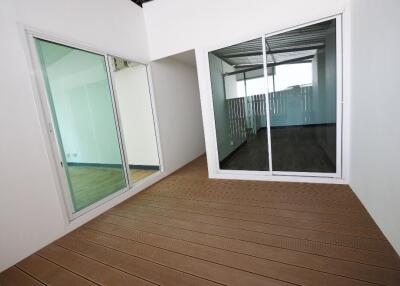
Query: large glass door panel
[
  {"x": 303, "y": 98},
  {"x": 238, "y": 92},
  {"x": 83, "y": 116}
]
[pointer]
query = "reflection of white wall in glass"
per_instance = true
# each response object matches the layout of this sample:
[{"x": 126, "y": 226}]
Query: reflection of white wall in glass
[
  {"x": 132, "y": 91},
  {"x": 226, "y": 143},
  {"x": 81, "y": 95},
  {"x": 231, "y": 89}
]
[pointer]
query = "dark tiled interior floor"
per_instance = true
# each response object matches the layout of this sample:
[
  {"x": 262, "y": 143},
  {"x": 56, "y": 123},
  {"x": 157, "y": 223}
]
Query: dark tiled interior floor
[{"x": 294, "y": 149}]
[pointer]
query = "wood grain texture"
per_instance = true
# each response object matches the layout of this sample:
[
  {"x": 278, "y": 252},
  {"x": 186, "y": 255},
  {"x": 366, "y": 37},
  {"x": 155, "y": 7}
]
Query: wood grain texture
[
  {"x": 15, "y": 276},
  {"x": 50, "y": 273},
  {"x": 189, "y": 230}
]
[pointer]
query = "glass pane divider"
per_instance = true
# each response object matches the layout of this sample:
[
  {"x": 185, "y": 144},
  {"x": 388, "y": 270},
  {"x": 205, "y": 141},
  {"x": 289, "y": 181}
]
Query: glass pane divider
[{"x": 267, "y": 110}]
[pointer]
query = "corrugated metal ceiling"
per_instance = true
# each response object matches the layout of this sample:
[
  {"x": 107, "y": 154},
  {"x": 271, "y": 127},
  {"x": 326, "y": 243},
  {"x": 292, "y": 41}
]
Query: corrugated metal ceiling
[{"x": 296, "y": 45}]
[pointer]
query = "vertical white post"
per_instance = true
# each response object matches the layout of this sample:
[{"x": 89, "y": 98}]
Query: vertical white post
[
  {"x": 339, "y": 94},
  {"x": 267, "y": 104}
]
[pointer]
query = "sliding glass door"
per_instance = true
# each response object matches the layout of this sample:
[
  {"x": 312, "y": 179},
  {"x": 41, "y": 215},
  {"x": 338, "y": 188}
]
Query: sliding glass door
[
  {"x": 82, "y": 112},
  {"x": 277, "y": 102}
]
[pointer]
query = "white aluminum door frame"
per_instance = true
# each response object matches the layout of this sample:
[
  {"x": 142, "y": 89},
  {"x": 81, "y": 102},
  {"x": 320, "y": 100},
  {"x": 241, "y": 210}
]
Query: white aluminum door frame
[
  {"x": 270, "y": 175},
  {"x": 47, "y": 121}
]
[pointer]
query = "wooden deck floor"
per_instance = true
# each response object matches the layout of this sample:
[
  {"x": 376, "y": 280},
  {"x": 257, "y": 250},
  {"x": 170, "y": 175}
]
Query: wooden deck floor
[{"x": 188, "y": 230}]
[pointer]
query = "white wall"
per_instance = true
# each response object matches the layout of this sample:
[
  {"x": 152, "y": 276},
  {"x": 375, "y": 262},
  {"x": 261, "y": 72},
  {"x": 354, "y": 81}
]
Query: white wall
[
  {"x": 31, "y": 210},
  {"x": 178, "y": 111},
  {"x": 375, "y": 101},
  {"x": 174, "y": 26},
  {"x": 177, "y": 25},
  {"x": 132, "y": 90}
]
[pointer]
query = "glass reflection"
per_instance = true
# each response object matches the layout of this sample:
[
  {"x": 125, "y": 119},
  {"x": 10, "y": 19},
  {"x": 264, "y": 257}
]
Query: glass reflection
[
  {"x": 83, "y": 115},
  {"x": 136, "y": 115},
  {"x": 238, "y": 89}
]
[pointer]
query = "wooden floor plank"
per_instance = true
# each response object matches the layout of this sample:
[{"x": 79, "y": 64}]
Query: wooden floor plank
[
  {"x": 88, "y": 268},
  {"x": 267, "y": 268},
  {"x": 232, "y": 243},
  {"x": 261, "y": 191},
  {"x": 50, "y": 273},
  {"x": 280, "y": 216},
  {"x": 185, "y": 263},
  {"x": 356, "y": 237},
  {"x": 322, "y": 244},
  {"x": 190, "y": 230},
  {"x": 15, "y": 276},
  {"x": 360, "y": 219},
  {"x": 145, "y": 269},
  {"x": 321, "y": 236},
  {"x": 290, "y": 204}
]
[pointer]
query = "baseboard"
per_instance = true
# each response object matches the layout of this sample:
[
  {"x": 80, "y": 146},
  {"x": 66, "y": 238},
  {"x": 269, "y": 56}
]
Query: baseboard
[
  {"x": 145, "y": 167},
  {"x": 94, "y": 165}
]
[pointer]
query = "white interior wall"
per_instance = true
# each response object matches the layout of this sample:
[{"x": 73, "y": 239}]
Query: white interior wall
[
  {"x": 167, "y": 35},
  {"x": 174, "y": 26},
  {"x": 375, "y": 101},
  {"x": 178, "y": 111},
  {"x": 133, "y": 93},
  {"x": 31, "y": 210}
]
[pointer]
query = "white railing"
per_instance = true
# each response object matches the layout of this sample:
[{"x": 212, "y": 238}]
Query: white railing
[
  {"x": 287, "y": 107},
  {"x": 291, "y": 106},
  {"x": 237, "y": 119}
]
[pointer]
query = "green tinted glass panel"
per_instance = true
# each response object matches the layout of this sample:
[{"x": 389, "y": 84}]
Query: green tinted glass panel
[{"x": 82, "y": 110}]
